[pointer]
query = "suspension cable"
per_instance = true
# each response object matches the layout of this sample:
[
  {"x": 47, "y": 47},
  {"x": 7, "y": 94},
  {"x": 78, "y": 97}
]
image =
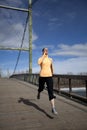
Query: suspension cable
[{"x": 21, "y": 44}]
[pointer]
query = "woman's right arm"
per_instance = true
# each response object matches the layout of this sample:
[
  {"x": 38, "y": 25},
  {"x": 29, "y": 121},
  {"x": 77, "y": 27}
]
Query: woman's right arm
[{"x": 40, "y": 60}]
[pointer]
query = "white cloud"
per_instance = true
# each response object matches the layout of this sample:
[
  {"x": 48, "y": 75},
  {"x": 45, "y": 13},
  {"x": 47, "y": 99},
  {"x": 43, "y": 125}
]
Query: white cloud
[
  {"x": 34, "y": 37},
  {"x": 74, "y": 65},
  {"x": 12, "y": 36},
  {"x": 54, "y": 22},
  {"x": 71, "y": 50},
  {"x": 12, "y": 28},
  {"x": 36, "y": 69},
  {"x": 54, "y": 19},
  {"x": 13, "y": 3}
]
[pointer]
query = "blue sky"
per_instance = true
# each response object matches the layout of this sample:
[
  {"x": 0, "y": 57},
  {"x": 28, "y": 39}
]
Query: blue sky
[{"x": 60, "y": 25}]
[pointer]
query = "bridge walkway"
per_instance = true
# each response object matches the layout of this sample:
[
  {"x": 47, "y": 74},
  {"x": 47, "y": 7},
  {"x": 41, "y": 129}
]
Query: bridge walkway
[{"x": 21, "y": 110}]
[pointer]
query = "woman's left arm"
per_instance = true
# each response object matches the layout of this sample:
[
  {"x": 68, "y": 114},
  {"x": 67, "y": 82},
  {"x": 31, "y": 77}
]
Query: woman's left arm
[{"x": 52, "y": 68}]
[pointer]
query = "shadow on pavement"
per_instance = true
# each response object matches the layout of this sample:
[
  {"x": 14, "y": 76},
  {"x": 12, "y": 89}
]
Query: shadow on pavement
[{"x": 28, "y": 102}]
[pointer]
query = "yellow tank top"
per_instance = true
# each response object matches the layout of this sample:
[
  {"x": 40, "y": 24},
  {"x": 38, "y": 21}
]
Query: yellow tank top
[{"x": 46, "y": 66}]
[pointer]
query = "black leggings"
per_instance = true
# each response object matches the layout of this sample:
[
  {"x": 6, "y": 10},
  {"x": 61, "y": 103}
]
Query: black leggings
[{"x": 49, "y": 83}]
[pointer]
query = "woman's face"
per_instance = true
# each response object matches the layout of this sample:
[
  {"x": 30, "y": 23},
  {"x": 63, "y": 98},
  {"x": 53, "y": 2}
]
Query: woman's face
[{"x": 46, "y": 51}]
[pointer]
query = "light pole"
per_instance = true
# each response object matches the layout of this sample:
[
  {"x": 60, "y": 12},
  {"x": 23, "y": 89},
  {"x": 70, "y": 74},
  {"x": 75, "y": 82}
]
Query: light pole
[{"x": 30, "y": 36}]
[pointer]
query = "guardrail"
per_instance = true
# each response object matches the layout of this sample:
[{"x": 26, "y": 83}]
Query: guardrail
[{"x": 60, "y": 83}]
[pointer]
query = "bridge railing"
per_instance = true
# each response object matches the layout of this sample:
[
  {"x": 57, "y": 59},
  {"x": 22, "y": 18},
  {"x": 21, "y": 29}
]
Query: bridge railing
[{"x": 66, "y": 85}]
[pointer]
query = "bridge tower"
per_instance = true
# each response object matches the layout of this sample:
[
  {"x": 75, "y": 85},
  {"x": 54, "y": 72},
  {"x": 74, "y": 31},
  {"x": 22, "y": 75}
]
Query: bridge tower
[{"x": 30, "y": 36}]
